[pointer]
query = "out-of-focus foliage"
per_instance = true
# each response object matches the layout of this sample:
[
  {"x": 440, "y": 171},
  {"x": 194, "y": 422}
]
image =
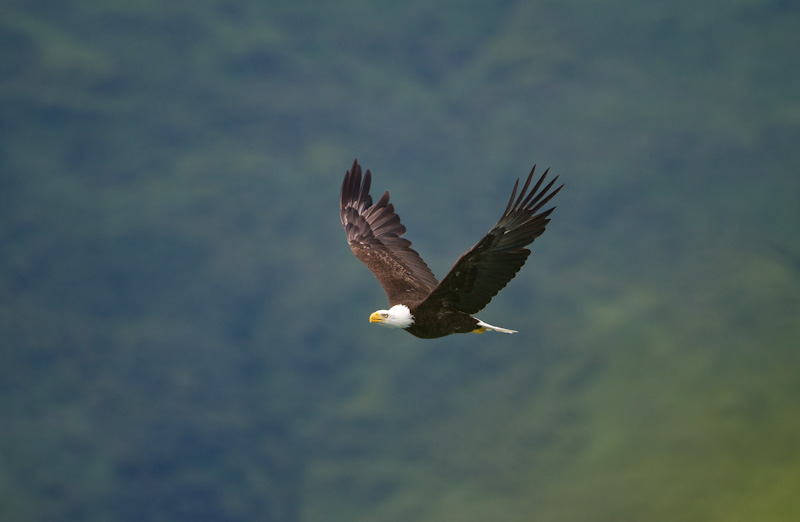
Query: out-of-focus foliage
[{"x": 183, "y": 328}]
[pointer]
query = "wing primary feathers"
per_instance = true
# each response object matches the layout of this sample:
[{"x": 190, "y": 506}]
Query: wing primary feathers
[
  {"x": 528, "y": 199},
  {"x": 546, "y": 199},
  {"x": 487, "y": 267},
  {"x": 374, "y": 232},
  {"x": 535, "y": 189},
  {"x": 513, "y": 193},
  {"x": 350, "y": 187},
  {"x": 526, "y": 185},
  {"x": 364, "y": 198}
]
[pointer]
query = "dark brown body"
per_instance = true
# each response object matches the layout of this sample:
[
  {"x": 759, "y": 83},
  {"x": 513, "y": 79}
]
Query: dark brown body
[{"x": 430, "y": 324}]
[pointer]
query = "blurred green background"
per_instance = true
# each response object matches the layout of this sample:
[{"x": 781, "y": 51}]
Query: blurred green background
[{"x": 184, "y": 329}]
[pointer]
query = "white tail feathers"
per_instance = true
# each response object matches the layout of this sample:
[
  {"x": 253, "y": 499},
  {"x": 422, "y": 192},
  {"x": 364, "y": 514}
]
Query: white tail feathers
[{"x": 494, "y": 328}]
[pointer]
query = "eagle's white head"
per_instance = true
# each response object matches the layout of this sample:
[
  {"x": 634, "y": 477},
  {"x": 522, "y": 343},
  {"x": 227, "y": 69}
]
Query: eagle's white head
[{"x": 398, "y": 316}]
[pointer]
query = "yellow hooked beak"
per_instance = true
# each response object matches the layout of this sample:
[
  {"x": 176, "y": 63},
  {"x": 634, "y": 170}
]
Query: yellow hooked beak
[{"x": 376, "y": 318}]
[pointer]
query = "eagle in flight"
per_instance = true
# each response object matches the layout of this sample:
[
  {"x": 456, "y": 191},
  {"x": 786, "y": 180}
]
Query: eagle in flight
[{"x": 420, "y": 304}]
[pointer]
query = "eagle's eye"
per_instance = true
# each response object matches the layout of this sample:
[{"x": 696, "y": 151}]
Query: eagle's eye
[{"x": 384, "y": 315}]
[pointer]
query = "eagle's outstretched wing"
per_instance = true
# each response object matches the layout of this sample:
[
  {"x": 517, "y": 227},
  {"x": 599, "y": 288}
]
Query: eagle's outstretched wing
[
  {"x": 374, "y": 233},
  {"x": 489, "y": 265}
]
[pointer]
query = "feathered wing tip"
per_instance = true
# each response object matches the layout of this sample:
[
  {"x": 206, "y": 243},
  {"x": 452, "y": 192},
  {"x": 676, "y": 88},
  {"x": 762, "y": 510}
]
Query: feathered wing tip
[
  {"x": 523, "y": 219},
  {"x": 535, "y": 199},
  {"x": 354, "y": 194},
  {"x": 362, "y": 219}
]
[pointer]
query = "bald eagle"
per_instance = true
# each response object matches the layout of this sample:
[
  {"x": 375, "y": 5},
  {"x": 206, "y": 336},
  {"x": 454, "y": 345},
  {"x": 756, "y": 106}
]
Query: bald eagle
[{"x": 420, "y": 304}]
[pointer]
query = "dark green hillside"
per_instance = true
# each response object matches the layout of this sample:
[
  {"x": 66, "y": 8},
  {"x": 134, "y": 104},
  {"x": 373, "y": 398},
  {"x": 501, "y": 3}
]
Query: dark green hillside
[{"x": 183, "y": 329}]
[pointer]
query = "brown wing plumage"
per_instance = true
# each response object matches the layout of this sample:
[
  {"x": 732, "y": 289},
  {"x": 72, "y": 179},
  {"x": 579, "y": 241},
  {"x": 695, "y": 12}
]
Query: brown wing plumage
[
  {"x": 489, "y": 265},
  {"x": 374, "y": 233}
]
